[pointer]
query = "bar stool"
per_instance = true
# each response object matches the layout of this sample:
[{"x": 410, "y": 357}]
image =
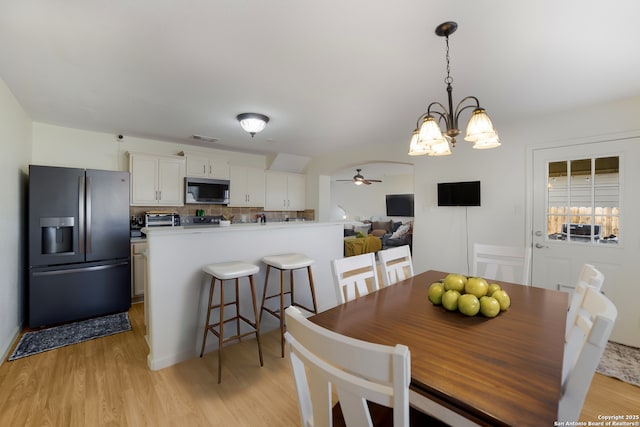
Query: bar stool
[
  {"x": 227, "y": 271},
  {"x": 284, "y": 262}
]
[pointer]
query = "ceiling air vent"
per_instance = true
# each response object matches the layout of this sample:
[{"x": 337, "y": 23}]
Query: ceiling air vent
[{"x": 204, "y": 138}]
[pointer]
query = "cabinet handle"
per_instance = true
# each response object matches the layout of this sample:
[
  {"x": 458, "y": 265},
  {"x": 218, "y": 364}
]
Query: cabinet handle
[
  {"x": 210, "y": 169},
  {"x": 159, "y": 194},
  {"x": 204, "y": 168}
]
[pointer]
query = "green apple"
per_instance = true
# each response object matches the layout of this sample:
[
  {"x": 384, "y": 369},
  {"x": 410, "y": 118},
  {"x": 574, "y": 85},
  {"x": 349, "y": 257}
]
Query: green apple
[
  {"x": 468, "y": 304},
  {"x": 476, "y": 286},
  {"x": 489, "y": 306},
  {"x": 492, "y": 288},
  {"x": 503, "y": 298},
  {"x": 455, "y": 282},
  {"x": 436, "y": 290},
  {"x": 450, "y": 300}
]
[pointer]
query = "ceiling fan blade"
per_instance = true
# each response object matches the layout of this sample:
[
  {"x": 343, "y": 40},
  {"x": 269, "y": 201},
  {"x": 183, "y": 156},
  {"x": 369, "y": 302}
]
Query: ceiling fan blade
[{"x": 358, "y": 178}]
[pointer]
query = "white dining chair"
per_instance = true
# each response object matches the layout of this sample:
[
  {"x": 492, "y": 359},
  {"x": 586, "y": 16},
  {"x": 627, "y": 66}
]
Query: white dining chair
[
  {"x": 395, "y": 264},
  {"x": 506, "y": 263},
  {"x": 589, "y": 277},
  {"x": 583, "y": 350},
  {"x": 350, "y": 276},
  {"x": 370, "y": 380}
]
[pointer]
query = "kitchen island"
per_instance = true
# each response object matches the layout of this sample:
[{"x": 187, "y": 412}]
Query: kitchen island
[{"x": 176, "y": 292}]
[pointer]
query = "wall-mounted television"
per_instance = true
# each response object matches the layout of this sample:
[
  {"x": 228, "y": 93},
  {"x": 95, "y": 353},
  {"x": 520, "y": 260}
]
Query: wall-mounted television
[
  {"x": 459, "y": 193},
  {"x": 399, "y": 204}
]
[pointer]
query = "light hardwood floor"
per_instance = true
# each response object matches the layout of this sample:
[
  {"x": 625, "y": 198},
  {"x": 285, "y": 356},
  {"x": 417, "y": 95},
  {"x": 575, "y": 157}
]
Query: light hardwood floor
[{"x": 106, "y": 382}]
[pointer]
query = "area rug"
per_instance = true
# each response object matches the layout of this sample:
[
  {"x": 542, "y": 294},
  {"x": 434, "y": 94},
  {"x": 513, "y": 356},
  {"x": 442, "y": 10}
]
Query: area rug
[
  {"x": 622, "y": 362},
  {"x": 60, "y": 336}
]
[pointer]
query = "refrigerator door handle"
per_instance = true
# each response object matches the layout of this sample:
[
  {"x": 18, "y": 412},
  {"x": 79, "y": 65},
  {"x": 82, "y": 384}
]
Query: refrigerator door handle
[
  {"x": 79, "y": 270},
  {"x": 81, "y": 214},
  {"x": 88, "y": 208}
]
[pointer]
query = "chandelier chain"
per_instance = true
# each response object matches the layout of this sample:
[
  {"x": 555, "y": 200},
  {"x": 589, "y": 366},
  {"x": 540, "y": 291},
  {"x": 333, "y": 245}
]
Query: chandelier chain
[{"x": 448, "y": 79}]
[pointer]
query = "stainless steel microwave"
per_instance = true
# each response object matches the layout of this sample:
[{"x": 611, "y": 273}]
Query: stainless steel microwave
[{"x": 206, "y": 191}]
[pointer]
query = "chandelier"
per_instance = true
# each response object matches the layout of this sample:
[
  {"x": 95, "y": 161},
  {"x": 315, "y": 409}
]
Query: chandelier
[
  {"x": 252, "y": 122},
  {"x": 429, "y": 139}
]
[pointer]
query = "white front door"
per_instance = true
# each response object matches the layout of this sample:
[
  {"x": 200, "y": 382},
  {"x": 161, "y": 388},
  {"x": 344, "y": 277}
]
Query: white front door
[{"x": 586, "y": 209}]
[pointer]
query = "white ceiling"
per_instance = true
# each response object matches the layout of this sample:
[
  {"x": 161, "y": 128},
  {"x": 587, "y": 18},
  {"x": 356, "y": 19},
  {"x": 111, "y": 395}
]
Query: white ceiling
[{"x": 330, "y": 74}]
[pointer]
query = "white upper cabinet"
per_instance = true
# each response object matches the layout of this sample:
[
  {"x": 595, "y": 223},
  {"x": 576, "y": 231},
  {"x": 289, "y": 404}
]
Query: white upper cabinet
[
  {"x": 202, "y": 166},
  {"x": 246, "y": 187},
  {"x": 284, "y": 191},
  {"x": 156, "y": 180}
]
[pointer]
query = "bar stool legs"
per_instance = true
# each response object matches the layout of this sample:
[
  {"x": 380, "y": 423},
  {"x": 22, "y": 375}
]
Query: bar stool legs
[
  {"x": 290, "y": 262},
  {"x": 227, "y": 271}
]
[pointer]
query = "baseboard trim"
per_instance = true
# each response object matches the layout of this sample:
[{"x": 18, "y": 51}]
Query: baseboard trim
[{"x": 4, "y": 351}]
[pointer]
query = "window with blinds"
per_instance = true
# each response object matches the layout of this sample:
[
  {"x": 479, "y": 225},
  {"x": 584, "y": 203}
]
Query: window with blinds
[{"x": 584, "y": 200}]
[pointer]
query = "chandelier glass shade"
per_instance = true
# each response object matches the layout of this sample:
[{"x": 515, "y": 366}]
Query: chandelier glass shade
[
  {"x": 252, "y": 122},
  {"x": 428, "y": 138}
]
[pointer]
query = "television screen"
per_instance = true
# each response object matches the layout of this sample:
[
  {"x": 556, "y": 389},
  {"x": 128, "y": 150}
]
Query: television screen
[
  {"x": 399, "y": 205},
  {"x": 459, "y": 193}
]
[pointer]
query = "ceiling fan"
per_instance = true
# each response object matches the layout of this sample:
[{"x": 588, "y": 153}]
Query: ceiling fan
[{"x": 358, "y": 179}]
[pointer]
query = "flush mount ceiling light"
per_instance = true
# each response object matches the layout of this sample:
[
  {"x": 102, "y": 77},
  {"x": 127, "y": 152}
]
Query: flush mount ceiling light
[
  {"x": 428, "y": 138},
  {"x": 252, "y": 122}
]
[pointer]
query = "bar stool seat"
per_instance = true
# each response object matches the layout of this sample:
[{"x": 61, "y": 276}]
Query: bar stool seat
[
  {"x": 228, "y": 271},
  {"x": 284, "y": 262},
  {"x": 231, "y": 270},
  {"x": 288, "y": 261}
]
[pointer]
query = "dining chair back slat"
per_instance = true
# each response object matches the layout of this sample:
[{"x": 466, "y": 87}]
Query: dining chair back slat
[
  {"x": 506, "y": 263},
  {"x": 354, "y": 276},
  {"x": 589, "y": 277},
  {"x": 395, "y": 264},
  {"x": 583, "y": 350},
  {"x": 359, "y": 371}
]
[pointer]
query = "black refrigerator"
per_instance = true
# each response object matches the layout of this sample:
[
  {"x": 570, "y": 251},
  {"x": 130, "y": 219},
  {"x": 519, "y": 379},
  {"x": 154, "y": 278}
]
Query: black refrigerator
[{"x": 79, "y": 256}]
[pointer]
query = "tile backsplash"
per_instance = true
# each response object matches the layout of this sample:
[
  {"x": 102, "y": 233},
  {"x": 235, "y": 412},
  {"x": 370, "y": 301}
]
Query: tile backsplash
[{"x": 236, "y": 214}]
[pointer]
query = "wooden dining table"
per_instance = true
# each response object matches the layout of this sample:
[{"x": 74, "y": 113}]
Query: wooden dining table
[{"x": 500, "y": 371}]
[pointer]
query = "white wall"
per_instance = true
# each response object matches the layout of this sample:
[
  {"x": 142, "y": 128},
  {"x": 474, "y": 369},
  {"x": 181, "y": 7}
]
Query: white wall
[
  {"x": 367, "y": 201},
  {"x": 442, "y": 236},
  {"x": 321, "y": 168},
  {"x": 63, "y": 146},
  {"x": 15, "y": 146}
]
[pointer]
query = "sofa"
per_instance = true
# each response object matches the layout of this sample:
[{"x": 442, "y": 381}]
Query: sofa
[{"x": 393, "y": 233}]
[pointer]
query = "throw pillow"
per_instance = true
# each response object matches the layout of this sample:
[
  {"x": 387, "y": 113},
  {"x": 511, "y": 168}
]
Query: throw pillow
[
  {"x": 378, "y": 232},
  {"x": 381, "y": 225},
  {"x": 401, "y": 231}
]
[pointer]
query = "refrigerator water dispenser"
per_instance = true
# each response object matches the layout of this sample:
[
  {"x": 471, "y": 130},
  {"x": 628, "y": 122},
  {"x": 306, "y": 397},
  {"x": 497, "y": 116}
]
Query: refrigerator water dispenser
[{"x": 57, "y": 235}]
